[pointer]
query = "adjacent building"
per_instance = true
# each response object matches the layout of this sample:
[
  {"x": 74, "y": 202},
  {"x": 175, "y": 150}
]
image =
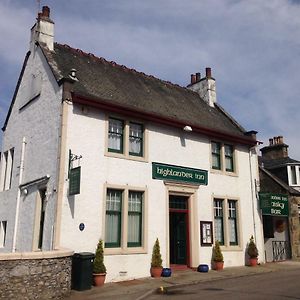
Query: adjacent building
[
  {"x": 280, "y": 201},
  {"x": 93, "y": 149}
]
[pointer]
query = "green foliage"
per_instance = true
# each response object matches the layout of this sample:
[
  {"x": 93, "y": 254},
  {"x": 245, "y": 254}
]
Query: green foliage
[
  {"x": 156, "y": 256},
  {"x": 99, "y": 266},
  {"x": 217, "y": 253},
  {"x": 252, "y": 249}
]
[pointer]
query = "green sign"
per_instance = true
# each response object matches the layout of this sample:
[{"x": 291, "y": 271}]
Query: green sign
[
  {"x": 181, "y": 174},
  {"x": 274, "y": 204},
  {"x": 74, "y": 181}
]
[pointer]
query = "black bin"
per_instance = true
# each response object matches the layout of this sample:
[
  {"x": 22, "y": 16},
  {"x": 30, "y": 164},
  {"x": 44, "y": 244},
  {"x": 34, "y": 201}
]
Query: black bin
[{"x": 82, "y": 271}]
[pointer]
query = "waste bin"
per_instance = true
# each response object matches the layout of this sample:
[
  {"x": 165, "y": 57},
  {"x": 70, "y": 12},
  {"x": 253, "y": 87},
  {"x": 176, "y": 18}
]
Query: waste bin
[{"x": 82, "y": 271}]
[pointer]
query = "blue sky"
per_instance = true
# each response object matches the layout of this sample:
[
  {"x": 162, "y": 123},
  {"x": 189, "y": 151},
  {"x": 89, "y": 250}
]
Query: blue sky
[{"x": 253, "y": 48}]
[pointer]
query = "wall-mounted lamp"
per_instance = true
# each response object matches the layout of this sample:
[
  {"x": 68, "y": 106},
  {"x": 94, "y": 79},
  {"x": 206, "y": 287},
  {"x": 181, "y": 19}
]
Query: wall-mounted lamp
[
  {"x": 187, "y": 128},
  {"x": 25, "y": 192}
]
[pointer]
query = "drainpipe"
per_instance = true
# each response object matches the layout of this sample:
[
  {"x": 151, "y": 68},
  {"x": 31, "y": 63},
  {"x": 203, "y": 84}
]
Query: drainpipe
[
  {"x": 253, "y": 192},
  {"x": 19, "y": 195}
]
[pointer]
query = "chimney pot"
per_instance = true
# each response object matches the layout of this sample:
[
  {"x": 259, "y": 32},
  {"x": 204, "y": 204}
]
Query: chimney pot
[
  {"x": 208, "y": 72},
  {"x": 198, "y": 77},
  {"x": 270, "y": 142},
  {"x": 46, "y": 11},
  {"x": 193, "y": 78},
  {"x": 280, "y": 139}
]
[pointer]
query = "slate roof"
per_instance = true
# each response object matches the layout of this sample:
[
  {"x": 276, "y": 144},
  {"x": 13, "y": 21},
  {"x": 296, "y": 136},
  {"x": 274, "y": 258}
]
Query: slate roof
[
  {"x": 277, "y": 163},
  {"x": 285, "y": 186},
  {"x": 101, "y": 79}
]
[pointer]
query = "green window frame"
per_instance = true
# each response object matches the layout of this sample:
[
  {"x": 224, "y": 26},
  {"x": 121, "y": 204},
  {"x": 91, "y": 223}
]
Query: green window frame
[
  {"x": 135, "y": 218},
  {"x": 136, "y": 139},
  {"x": 113, "y": 218},
  {"x": 229, "y": 161},
  {"x": 232, "y": 222},
  {"x": 218, "y": 218},
  {"x": 115, "y": 135},
  {"x": 216, "y": 155}
]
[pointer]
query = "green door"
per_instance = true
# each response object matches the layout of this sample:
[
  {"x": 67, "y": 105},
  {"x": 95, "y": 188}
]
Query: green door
[{"x": 178, "y": 238}]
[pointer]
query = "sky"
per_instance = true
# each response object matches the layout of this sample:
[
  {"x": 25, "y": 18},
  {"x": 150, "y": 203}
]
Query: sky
[{"x": 252, "y": 46}]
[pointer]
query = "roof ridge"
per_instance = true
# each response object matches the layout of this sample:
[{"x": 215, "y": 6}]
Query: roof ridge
[{"x": 123, "y": 67}]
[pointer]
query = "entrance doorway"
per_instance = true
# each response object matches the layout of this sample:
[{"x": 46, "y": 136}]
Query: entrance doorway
[{"x": 179, "y": 230}]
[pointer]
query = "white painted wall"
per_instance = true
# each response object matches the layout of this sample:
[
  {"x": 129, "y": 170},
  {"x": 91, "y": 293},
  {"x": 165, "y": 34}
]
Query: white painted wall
[
  {"x": 86, "y": 136},
  {"x": 39, "y": 123}
]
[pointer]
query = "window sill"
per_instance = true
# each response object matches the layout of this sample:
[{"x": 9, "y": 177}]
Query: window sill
[
  {"x": 127, "y": 157},
  {"x": 221, "y": 172},
  {"x": 125, "y": 251},
  {"x": 231, "y": 248}
]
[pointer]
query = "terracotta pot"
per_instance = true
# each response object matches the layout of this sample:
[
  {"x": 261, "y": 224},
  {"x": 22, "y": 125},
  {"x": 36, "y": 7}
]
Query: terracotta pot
[
  {"x": 253, "y": 261},
  {"x": 99, "y": 279},
  {"x": 218, "y": 265},
  {"x": 156, "y": 271}
]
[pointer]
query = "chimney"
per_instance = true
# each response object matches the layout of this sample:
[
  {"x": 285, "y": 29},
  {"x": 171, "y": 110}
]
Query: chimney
[
  {"x": 43, "y": 30},
  {"x": 205, "y": 87},
  {"x": 276, "y": 149}
]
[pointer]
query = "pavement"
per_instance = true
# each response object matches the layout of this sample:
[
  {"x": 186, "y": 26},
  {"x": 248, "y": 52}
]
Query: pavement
[{"x": 139, "y": 289}]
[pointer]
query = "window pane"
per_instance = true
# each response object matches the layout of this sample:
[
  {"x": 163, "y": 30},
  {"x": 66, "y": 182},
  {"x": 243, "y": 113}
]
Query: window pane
[
  {"x": 229, "y": 158},
  {"x": 216, "y": 155},
  {"x": 293, "y": 175},
  {"x": 218, "y": 220},
  {"x": 113, "y": 218},
  {"x": 135, "y": 203},
  {"x": 115, "y": 135},
  {"x": 232, "y": 222},
  {"x": 136, "y": 139}
]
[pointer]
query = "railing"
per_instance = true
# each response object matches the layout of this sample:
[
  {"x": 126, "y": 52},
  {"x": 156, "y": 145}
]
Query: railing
[{"x": 281, "y": 250}]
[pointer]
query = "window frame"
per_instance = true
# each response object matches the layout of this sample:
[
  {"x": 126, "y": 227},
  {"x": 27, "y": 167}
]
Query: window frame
[
  {"x": 227, "y": 244},
  {"x": 126, "y": 153},
  {"x": 121, "y": 135},
  {"x": 7, "y": 165},
  {"x": 223, "y": 156},
  {"x": 3, "y": 233},
  {"x": 125, "y": 247},
  {"x": 219, "y": 208},
  {"x": 217, "y": 155}
]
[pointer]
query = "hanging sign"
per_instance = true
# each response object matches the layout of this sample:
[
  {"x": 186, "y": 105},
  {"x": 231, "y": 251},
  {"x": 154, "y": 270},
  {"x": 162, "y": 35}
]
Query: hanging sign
[
  {"x": 274, "y": 204},
  {"x": 177, "y": 173}
]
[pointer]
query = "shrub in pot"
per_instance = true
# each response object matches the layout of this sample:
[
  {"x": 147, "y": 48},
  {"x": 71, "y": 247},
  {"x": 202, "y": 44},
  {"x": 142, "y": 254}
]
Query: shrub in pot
[
  {"x": 217, "y": 257},
  {"x": 252, "y": 252},
  {"x": 99, "y": 269},
  {"x": 156, "y": 261}
]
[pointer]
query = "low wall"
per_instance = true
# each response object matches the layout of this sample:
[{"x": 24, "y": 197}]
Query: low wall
[{"x": 35, "y": 275}]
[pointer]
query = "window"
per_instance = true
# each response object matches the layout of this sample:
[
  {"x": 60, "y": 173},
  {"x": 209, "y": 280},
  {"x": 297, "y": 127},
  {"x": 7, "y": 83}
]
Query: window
[
  {"x": 7, "y": 169},
  {"x": 124, "y": 220},
  {"x": 216, "y": 155},
  {"x": 226, "y": 221},
  {"x": 126, "y": 139},
  {"x": 218, "y": 215},
  {"x": 136, "y": 139},
  {"x": 228, "y": 158},
  {"x": 135, "y": 203},
  {"x": 222, "y": 157},
  {"x": 115, "y": 135},
  {"x": 232, "y": 225},
  {"x": 3, "y": 225},
  {"x": 293, "y": 175}
]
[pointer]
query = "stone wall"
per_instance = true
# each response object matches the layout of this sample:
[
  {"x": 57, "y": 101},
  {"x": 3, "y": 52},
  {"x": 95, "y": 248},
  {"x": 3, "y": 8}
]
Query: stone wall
[{"x": 31, "y": 276}]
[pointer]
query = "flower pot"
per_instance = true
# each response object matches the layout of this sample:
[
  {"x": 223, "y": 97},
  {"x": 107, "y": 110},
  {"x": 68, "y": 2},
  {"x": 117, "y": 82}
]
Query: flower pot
[
  {"x": 218, "y": 265},
  {"x": 99, "y": 279},
  {"x": 166, "y": 272},
  {"x": 253, "y": 261},
  {"x": 203, "y": 268},
  {"x": 156, "y": 271}
]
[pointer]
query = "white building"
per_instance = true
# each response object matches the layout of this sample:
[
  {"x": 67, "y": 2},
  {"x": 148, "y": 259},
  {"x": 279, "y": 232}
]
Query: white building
[{"x": 92, "y": 149}]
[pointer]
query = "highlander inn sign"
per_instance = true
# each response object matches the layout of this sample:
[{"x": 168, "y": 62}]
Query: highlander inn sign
[
  {"x": 274, "y": 204},
  {"x": 179, "y": 174}
]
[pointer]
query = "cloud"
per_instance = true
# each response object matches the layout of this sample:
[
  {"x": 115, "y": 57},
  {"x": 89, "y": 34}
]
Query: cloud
[{"x": 252, "y": 47}]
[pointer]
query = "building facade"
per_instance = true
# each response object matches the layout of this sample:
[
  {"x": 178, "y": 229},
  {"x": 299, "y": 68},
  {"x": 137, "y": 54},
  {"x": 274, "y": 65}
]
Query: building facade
[
  {"x": 92, "y": 149},
  {"x": 280, "y": 201}
]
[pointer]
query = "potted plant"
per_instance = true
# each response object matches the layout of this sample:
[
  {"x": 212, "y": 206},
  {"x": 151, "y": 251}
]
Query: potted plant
[
  {"x": 252, "y": 252},
  {"x": 156, "y": 261},
  {"x": 99, "y": 269},
  {"x": 217, "y": 257}
]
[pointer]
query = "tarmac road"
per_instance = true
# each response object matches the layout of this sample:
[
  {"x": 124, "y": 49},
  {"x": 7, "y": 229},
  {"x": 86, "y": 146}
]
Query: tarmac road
[{"x": 283, "y": 284}]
